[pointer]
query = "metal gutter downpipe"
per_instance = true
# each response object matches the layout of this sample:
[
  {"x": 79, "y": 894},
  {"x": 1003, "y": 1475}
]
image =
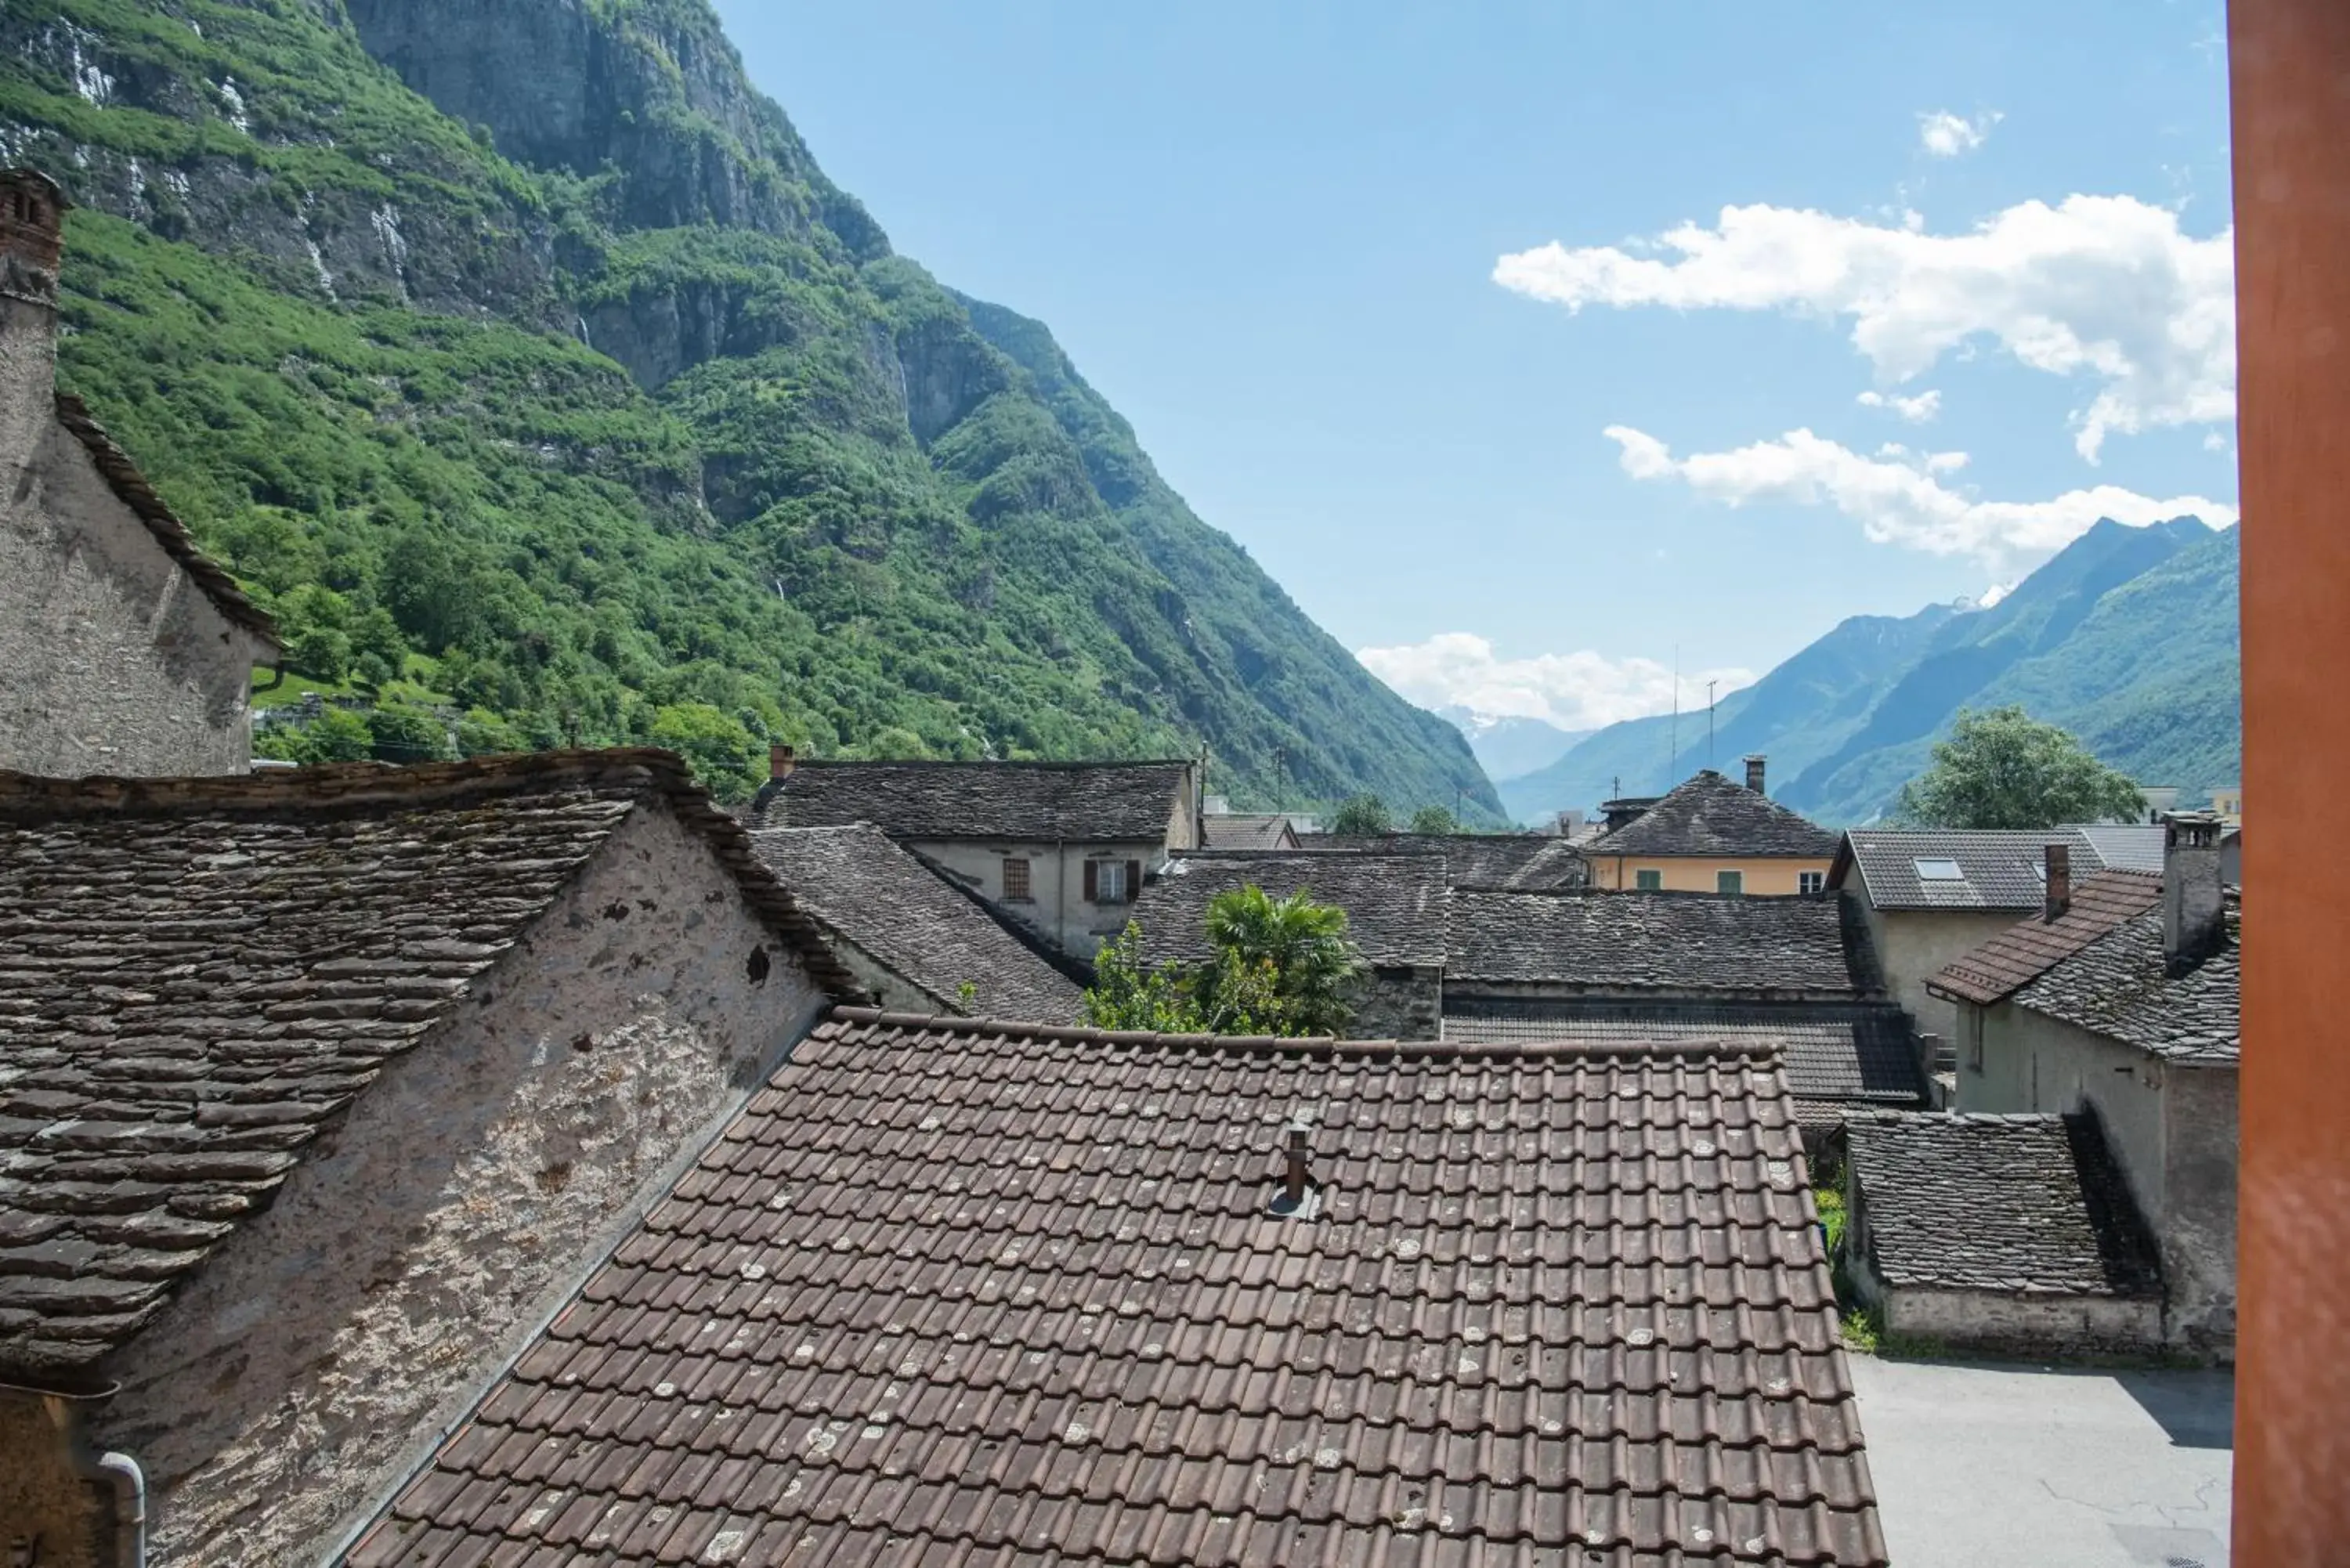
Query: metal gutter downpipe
[{"x": 130, "y": 1508}]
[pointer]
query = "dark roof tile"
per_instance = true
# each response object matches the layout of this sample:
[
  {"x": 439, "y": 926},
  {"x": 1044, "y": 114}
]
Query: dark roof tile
[
  {"x": 1395, "y": 904},
  {"x": 1996, "y": 869},
  {"x": 2120, "y": 986},
  {"x": 1676, "y": 944},
  {"x": 1087, "y": 803},
  {"x": 2015, "y": 957},
  {"x": 198, "y": 973},
  {"x": 1708, "y": 815},
  {"x": 1521, "y": 862},
  {"x": 1999, "y": 1203},
  {"x": 1235, "y": 830},
  {"x": 856, "y": 882},
  {"x": 1562, "y": 1300}
]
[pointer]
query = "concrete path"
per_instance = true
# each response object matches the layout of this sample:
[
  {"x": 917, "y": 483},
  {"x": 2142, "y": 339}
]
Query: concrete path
[{"x": 2014, "y": 1467}]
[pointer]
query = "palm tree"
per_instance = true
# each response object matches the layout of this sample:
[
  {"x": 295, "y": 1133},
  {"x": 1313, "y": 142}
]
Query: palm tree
[{"x": 1288, "y": 958}]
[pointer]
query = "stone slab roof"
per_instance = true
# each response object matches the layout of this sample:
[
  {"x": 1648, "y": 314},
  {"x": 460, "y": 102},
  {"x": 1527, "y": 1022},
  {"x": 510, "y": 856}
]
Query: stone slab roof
[
  {"x": 130, "y": 485},
  {"x": 858, "y": 884},
  {"x": 2007, "y": 1203},
  {"x": 2027, "y": 949},
  {"x": 1997, "y": 870},
  {"x": 1710, "y": 815},
  {"x": 196, "y": 975},
  {"x": 1086, "y": 803},
  {"x": 1528, "y": 862},
  {"x": 1833, "y": 1052},
  {"x": 1395, "y": 904},
  {"x": 1692, "y": 944},
  {"x": 1234, "y": 830},
  {"x": 2118, "y": 986},
  {"x": 967, "y": 1293}
]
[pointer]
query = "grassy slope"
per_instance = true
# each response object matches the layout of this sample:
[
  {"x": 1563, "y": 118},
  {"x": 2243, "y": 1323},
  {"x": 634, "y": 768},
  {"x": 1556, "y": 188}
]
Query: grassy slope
[{"x": 463, "y": 496}]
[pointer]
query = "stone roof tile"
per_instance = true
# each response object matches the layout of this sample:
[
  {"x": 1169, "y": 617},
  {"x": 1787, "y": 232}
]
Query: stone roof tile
[
  {"x": 1395, "y": 904},
  {"x": 2120, "y": 986},
  {"x": 1087, "y": 803},
  {"x": 1521, "y": 862},
  {"x": 1708, "y": 815},
  {"x": 963, "y": 1293},
  {"x": 2022, "y": 952},
  {"x": 1678, "y": 943}
]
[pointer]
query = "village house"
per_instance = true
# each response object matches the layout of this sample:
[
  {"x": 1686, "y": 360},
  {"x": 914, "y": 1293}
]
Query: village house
[
  {"x": 1247, "y": 830},
  {"x": 1064, "y": 848},
  {"x": 128, "y": 652},
  {"x": 1395, "y": 907},
  {"x": 1934, "y": 894},
  {"x": 1521, "y": 862},
  {"x": 2121, "y": 999},
  {"x": 1231, "y": 1300},
  {"x": 2001, "y": 1234},
  {"x": 1710, "y": 836},
  {"x": 916, "y": 943},
  {"x": 1789, "y": 975},
  {"x": 318, "y": 1090}
]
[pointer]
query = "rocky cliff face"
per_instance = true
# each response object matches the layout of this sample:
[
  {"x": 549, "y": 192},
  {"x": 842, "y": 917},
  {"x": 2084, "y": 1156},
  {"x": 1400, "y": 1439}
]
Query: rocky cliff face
[{"x": 519, "y": 348}]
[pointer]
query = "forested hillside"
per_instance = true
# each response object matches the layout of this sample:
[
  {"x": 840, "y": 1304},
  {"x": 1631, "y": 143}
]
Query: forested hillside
[
  {"x": 2127, "y": 638},
  {"x": 521, "y": 359}
]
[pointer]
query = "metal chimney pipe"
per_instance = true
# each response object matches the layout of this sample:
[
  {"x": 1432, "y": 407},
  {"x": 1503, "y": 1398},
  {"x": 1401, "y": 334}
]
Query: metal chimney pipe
[{"x": 1293, "y": 1179}]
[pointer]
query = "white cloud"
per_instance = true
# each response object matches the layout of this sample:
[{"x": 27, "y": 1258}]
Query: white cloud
[
  {"x": 1573, "y": 690},
  {"x": 1919, "y": 409},
  {"x": 1993, "y": 594},
  {"x": 1897, "y": 496},
  {"x": 1946, "y": 135},
  {"x": 2102, "y": 286}
]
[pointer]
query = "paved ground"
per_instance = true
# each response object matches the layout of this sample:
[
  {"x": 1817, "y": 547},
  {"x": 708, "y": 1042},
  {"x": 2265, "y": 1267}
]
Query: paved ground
[{"x": 2016, "y": 1467}]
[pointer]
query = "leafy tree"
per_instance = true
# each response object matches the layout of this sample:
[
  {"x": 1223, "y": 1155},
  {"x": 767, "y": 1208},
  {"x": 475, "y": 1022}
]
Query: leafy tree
[
  {"x": 1434, "y": 819},
  {"x": 1281, "y": 966},
  {"x": 1363, "y": 815},
  {"x": 405, "y": 733},
  {"x": 482, "y": 733},
  {"x": 726, "y": 757},
  {"x": 338, "y": 735},
  {"x": 2004, "y": 768}
]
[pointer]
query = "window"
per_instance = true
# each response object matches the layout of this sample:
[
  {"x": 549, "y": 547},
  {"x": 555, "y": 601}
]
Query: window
[
  {"x": 1939, "y": 871},
  {"x": 1649, "y": 881},
  {"x": 1015, "y": 880},
  {"x": 1811, "y": 881},
  {"x": 1729, "y": 884},
  {"x": 1111, "y": 881}
]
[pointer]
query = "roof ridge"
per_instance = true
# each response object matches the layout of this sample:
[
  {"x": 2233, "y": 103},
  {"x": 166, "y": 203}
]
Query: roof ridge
[
  {"x": 1031, "y": 762},
  {"x": 1275, "y": 1044},
  {"x": 132, "y": 488}
]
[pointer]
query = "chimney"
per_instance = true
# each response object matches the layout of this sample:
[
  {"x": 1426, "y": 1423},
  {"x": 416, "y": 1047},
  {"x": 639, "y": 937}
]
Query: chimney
[
  {"x": 2194, "y": 901},
  {"x": 32, "y": 219},
  {"x": 1298, "y": 1197},
  {"x": 2059, "y": 880},
  {"x": 1755, "y": 774},
  {"x": 780, "y": 763}
]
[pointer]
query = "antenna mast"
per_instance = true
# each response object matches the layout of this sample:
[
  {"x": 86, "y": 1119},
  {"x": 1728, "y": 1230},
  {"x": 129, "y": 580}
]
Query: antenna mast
[{"x": 1673, "y": 746}]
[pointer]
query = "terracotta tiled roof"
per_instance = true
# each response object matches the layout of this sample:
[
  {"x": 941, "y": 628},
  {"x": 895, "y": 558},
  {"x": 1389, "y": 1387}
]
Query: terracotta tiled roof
[
  {"x": 131, "y": 487},
  {"x": 1530, "y": 862},
  {"x": 1690, "y": 944},
  {"x": 2026, "y": 950},
  {"x": 1708, "y": 815},
  {"x": 1236, "y": 831},
  {"x": 1087, "y": 803},
  {"x": 2120, "y": 986},
  {"x": 2008, "y": 1203},
  {"x": 963, "y": 1293},
  {"x": 1996, "y": 869},
  {"x": 855, "y": 881},
  {"x": 198, "y": 974},
  {"x": 1833, "y": 1052},
  {"x": 1395, "y": 904}
]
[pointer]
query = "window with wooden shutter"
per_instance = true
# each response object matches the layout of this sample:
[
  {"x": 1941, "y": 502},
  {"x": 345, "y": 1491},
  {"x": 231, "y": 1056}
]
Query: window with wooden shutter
[
  {"x": 1016, "y": 879},
  {"x": 1107, "y": 882},
  {"x": 1093, "y": 882},
  {"x": 1133, "y": 880}
]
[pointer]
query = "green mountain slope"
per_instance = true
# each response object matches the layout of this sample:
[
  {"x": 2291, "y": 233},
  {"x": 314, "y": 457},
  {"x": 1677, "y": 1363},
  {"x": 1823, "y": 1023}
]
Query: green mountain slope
[
  {"x": 2127, "y": 638},
  {"x": 519, "y": 352}
]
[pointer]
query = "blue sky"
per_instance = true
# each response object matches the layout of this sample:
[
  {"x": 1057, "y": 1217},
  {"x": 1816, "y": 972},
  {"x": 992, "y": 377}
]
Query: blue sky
[{"x": 1304, "y": 249}]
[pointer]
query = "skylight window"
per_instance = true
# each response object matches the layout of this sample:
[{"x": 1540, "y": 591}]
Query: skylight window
[{"x": 1939, "y": 871}]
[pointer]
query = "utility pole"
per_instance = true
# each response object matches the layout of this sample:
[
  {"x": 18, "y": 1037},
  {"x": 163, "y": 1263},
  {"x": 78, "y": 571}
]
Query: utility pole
[
  {"x": 1673, "y": 746},
  {"x": 1709, "y": 723}
]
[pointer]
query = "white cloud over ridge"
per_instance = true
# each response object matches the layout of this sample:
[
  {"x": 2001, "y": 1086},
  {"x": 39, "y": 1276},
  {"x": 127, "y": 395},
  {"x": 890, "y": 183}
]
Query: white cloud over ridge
[
  {"x": 1899, "y": 497},
  {"x": 1919, "y": 410},
  {"x": 1580, "y": 690},
  {"x": 1946, "y": 135},
  {"x": 2106, "y": 288}
]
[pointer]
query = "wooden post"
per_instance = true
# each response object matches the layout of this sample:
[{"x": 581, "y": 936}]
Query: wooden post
[{"x": 2289, "y": 66}]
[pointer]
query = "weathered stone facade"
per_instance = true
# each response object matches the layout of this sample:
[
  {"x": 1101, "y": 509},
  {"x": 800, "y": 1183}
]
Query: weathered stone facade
[
  {"x": 126, "y": 653},
  {"x": 292, "y": 1380},
  {"x": 1397, "y": 1001},
  {"x": 51, "y": 1512}
]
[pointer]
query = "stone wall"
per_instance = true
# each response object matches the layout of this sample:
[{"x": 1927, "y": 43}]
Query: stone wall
[
  {"x": 2198, "y": 1234},
  {"x": 51, "y": 1514},
  {"x": 2024, "y": 1323},
  {"x": 1398, "y": 1003},
  {"x": 1912, "y": 946},
  {"x": 312, "y": 1361},
  {"x": 118, "y": 662}
]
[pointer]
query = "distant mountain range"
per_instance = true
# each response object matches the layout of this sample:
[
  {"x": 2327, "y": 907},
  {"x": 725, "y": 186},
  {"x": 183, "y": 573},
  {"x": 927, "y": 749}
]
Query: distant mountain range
[
  {"x": 1507, "y": 747},
  {"x": 2127, "y": 639}
]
